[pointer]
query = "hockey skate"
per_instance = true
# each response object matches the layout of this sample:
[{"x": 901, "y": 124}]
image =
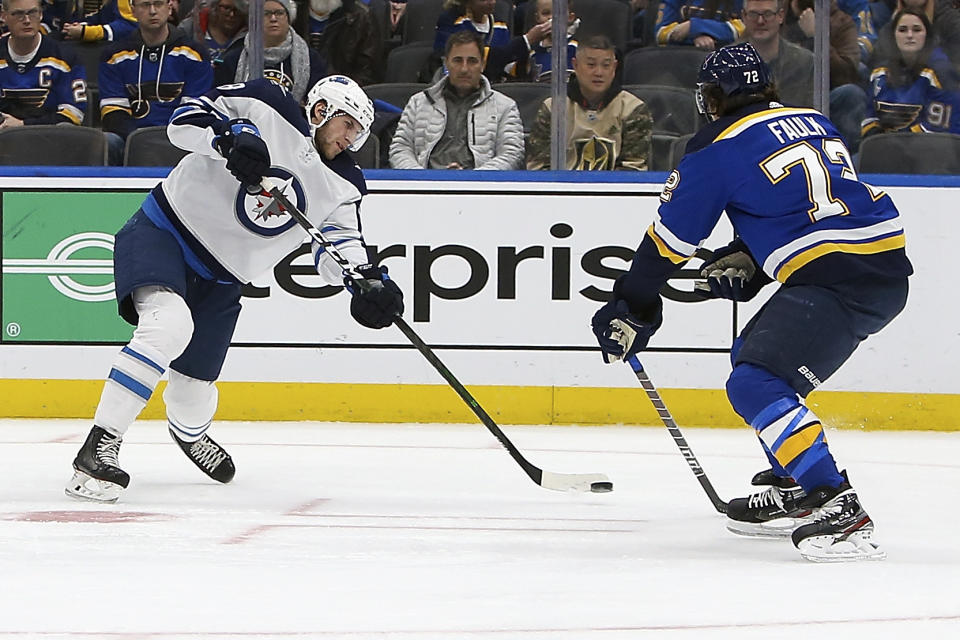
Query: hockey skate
[
  {"x": 772, "y": 513},
  {"x": 97, "y": 474},
  {"x": 209, "y": 457},
  {"x": 842, "y": 531}
]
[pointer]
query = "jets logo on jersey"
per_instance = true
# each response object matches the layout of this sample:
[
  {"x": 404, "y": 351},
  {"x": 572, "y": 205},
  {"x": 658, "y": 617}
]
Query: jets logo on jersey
[{"x": 263, "y": 215}]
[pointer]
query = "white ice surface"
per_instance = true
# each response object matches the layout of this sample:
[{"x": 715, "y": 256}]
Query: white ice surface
[{"x": 432, "y": 531}]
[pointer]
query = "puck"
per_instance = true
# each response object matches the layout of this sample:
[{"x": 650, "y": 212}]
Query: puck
[{"x": 601, "y": 487}]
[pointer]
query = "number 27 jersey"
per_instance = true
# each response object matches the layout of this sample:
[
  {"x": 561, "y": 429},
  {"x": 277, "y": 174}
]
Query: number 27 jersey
[{"x": 788, "y": 185}]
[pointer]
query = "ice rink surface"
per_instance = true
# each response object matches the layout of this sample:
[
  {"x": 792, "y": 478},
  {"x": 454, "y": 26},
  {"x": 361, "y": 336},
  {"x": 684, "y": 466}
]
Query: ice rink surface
[{"x": 433, "y": 532}]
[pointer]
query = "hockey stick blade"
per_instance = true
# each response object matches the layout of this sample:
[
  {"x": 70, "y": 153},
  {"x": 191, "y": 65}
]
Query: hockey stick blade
[
  {"x": 718, "y": 503},
  {"x": 592, "y": 482}
]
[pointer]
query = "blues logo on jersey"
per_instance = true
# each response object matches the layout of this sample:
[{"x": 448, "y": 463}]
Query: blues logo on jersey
[{"x": 49, "y": 88}]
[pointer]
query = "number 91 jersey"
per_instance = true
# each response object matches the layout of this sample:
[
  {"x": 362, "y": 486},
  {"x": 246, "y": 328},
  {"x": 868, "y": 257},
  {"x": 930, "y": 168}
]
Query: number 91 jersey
[{"x": 788, "y": 185}]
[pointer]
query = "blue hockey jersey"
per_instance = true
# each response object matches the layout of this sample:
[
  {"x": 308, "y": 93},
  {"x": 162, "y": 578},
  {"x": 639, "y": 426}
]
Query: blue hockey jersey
[
  {"x": 788, "y": 186},
  {"x": 723, "y": 25},
  {"x": 494, "y": 34},
  {"x": 930, "y": 103},
  {"x": 111, "y": 21},
  {"x": 141, "y": 86},
  {"x": 50, "y": 88}
]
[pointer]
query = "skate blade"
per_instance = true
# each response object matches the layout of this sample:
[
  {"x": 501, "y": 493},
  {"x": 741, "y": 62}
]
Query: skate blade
[
  {"x": 779, "y": 528},
  {"x": 85, "y": 487},
  {"x": 857, "y": 546}
]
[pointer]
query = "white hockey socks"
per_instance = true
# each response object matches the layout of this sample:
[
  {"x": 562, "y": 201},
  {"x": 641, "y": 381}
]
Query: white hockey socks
[
  {"x": 132, "y": 379},
  {"x": 191, "y": 404}
]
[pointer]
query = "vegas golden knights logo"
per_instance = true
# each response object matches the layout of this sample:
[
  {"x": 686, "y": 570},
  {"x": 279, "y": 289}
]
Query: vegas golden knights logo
[{"x": 594, "y": 154}]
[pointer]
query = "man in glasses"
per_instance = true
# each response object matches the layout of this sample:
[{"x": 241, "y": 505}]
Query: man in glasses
[
  {"x": 144, "y": 78},
  {"x": 40, "y": 81},
  {"x": 791, "y": 66}
]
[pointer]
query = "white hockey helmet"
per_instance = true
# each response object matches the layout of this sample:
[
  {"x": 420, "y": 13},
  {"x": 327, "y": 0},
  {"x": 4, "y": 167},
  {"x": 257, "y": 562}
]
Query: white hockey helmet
[{"x": 343, "y": 96}]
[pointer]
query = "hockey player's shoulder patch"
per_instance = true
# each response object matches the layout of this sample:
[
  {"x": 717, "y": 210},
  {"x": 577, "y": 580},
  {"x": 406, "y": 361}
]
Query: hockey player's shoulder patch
[{"x": 344, "y": 166}]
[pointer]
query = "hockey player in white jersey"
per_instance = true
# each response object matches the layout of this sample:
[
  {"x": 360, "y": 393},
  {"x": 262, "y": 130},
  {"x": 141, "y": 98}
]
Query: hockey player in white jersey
[{"x": 179, "y": 262}]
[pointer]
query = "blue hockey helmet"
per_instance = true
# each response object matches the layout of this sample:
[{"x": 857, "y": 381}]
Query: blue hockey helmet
[{"x": 736, "y": 69}]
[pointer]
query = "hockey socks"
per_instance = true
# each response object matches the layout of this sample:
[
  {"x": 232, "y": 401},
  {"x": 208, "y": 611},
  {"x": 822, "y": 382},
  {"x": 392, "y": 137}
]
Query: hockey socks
[
  {"x": 134, "y": 375},
  {"x": 792, "y": 435}
]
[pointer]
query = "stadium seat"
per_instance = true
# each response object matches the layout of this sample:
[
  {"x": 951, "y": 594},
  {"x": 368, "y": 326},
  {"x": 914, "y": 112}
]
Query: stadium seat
[
  {"x": 368, "y": 157},
  {"x": 396, "y": 93},
  {"x": 911, "y": 153},
  {"x": 528, "y": 96},
  {"x": 674, "y": 110},
  {"x": 150, "y": 147},
  {"x": 669, "y": 66},
  {"x": 421, "y": 20},
  {"x": 53, "y": 145},
  {"x": 677, "y": 149},
  {"x": 409, "y": 63},
  {"x": 661, "y": 149},
  {"x": 611, "y": 18}
]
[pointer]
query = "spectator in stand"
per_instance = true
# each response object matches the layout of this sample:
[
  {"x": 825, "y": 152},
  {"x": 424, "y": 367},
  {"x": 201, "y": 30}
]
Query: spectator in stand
[
  {"x": 499, "y": 49},
  {"x": 287, "y": 60},
  {"x": 916, "y": 88},
  {"x": 847, "y": 98},
  {"x": 705, "y": 24},
  {"x": 537, "y": 65},
  {"x": 944, "y": 18},
  {"x": 346, "y": 35},
  {"x": 607, "y": 128},
  {"x": 40, "y": 81},
  {"x": 220, "y": 25},
  {"x": 791, "y": 66},
  {"x": 112, "y": 22},
  {"x": 459, "y": 122},
  {"x": 144, "y": 77}
]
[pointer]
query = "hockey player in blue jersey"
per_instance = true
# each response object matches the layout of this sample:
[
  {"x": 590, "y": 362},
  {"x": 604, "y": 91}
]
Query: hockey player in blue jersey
[
  {"x": 181, "y": 259},
  {"x": 835, "y": 245}
]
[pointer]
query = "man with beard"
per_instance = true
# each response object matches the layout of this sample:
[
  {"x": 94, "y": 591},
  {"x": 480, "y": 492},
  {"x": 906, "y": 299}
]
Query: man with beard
[{"x": 346, "y": 35}]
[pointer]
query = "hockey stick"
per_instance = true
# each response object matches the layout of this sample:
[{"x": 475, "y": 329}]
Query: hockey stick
[
  {"x": 595, "y": 482},
  {"x": 674, "y": 430}
]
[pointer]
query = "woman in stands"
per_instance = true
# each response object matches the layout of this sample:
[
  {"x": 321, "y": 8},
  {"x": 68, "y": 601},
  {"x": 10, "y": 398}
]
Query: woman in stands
[{"x": 915, "y": 88}]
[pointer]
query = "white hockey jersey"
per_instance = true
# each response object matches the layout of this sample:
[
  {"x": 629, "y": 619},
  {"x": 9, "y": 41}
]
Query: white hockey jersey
[{"x": 228, "y": 234}]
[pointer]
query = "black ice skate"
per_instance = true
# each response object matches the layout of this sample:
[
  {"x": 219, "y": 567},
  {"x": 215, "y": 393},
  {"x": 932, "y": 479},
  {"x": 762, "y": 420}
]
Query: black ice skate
[
  {"x": 209, "y": 457},
  {"x": 772, "y": 513},
  {"x": 97, "y": 474},
  {"x": 841, "y": 531}
]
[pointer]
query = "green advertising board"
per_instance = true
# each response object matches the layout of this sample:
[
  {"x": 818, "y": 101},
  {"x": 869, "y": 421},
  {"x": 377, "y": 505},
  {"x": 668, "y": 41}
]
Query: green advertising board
[{"x": 57, "y": 276}]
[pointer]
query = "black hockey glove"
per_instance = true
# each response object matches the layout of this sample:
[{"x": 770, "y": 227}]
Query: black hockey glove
[
  {"x": 377, "y": 299},
  {"x": 248, "y": 158},
  {"x": 620, "y": 333},
  {"x": 731, "y": 274}
]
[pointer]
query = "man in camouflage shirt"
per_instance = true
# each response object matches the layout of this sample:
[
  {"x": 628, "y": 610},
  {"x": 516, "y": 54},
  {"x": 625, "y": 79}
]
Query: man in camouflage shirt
[{"x": 607, "y": 128}]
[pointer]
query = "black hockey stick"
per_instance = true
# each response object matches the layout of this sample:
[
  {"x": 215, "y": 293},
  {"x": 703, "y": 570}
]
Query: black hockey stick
[
  {"x": 674, "y": 430},
  {"x": 595, "y": 482}
]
